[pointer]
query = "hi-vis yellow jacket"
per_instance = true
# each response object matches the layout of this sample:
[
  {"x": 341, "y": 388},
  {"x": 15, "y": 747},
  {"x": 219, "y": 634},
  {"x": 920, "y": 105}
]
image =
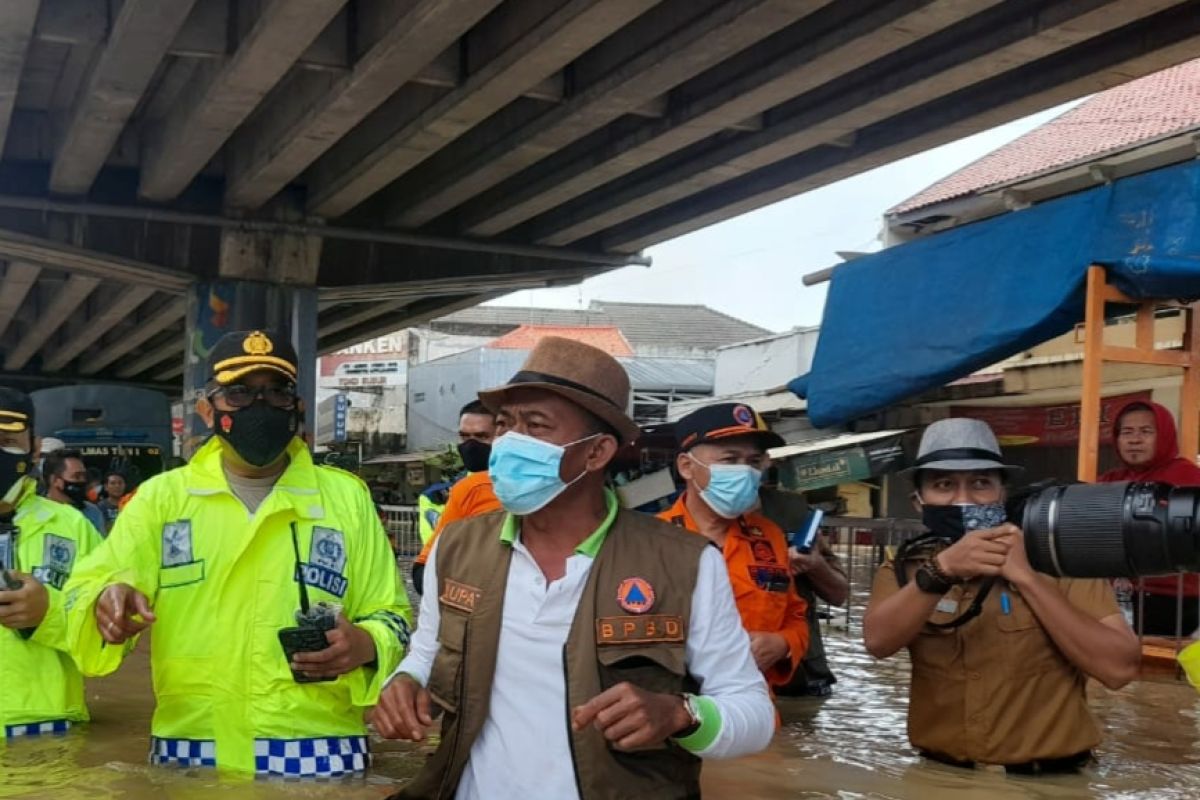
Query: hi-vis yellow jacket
[
  {"x": 223, "y": 582},
  {"x": 38, "y": 680}
]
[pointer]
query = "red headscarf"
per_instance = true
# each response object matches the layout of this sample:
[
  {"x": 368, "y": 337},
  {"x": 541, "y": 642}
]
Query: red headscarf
[{"x": 1167, "y": 465}]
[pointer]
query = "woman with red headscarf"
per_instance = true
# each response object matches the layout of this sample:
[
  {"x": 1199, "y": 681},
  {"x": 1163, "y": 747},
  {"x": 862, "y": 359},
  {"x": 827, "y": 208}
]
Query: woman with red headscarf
[{"x": 1147, "y": 444}]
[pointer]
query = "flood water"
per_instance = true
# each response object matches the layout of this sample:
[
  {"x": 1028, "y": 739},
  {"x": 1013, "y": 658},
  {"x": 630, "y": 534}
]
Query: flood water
[{"x": 848, "y": 746}]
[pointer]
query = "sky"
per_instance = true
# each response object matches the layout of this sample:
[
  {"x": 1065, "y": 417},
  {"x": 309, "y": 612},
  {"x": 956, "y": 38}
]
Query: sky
[{"x": 770, "y": 249}]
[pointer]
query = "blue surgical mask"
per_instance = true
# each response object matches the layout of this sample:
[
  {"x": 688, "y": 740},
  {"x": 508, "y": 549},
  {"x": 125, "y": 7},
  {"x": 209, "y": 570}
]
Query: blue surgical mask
[
  {"x": 524, "y": 471},
  {"x": 732, "y": 488}
]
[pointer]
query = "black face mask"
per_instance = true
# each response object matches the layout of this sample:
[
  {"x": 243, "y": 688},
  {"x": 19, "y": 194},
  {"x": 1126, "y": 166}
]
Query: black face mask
[
  {"x": 75, "y": 492},
  {"x": 954, "y": 522},
  {"x": 475, "y": 455},
  {"x": 13, "y": 467},
  {"x": 258, "y": 433}
]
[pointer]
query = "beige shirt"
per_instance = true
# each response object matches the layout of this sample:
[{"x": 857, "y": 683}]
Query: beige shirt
[
  {"x": 997, "y": 690},
  {"x": 251, "y": 491}
]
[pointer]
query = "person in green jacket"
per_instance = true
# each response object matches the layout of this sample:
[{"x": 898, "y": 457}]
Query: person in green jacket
[
  {"x": 219, "y": 556},
  {"x": 40, "y": 543}
]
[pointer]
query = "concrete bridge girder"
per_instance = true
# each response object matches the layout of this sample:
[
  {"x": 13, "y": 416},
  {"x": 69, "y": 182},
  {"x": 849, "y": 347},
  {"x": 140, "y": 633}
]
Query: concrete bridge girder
[{"x": 404, "y": 158}]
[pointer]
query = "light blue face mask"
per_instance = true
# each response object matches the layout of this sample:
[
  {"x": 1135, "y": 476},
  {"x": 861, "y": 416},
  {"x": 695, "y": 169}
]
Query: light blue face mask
[
  {"x": 732, "y": 488},
  {"x": 524, "y": 471}
]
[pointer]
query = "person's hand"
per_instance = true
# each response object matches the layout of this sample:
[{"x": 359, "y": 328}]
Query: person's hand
[
  {"x": 349, "y": 648},
  {"x": 403, "y": 711},
  {"x": 1016, "y": 568},
  {"x": 25, "y": 607},
  {"x": 802, "y": 563},
  {"x": 977, "y": 553},
  {"x": 118, "y": 611},
  {"x": 768, "y": 649},
  {"x": 633, "y": 718}
]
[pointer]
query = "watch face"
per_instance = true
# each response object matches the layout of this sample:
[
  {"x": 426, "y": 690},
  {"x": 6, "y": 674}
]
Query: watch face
[{"x": 927, "y": 582}]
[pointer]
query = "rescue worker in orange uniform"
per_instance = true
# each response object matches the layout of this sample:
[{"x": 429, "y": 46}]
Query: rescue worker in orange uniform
[
  {"x": 473, "y": 495},
  {"x": 723, "y": 454}
]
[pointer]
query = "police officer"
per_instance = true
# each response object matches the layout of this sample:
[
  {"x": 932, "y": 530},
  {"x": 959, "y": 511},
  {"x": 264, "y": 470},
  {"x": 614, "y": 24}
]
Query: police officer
[
  {"x": 215, "y": 556},
  {"x": 40, "y": 543}
]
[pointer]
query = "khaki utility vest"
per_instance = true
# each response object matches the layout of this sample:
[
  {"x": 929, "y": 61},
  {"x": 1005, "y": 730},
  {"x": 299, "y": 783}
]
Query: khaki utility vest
[{"x": 607, "y": 645}]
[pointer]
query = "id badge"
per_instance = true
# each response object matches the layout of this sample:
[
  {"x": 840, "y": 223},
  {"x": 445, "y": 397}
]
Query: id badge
[{"x": 8, "y": 543}]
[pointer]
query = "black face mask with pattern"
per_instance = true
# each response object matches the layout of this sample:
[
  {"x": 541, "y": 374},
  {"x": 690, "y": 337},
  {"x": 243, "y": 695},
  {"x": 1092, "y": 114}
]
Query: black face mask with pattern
[{"x": 258, "y": 433}]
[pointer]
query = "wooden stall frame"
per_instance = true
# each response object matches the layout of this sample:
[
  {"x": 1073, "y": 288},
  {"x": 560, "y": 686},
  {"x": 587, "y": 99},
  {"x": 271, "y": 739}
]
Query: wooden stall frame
[{"x": 1096, "y": 352}]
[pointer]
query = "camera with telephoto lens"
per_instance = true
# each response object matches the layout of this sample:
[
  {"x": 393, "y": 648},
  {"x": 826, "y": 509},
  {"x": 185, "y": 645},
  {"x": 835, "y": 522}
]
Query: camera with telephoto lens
[{"x": 1109, "y": 530}]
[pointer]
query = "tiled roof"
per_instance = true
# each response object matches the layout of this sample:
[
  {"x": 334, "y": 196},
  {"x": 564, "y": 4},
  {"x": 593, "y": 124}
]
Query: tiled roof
[
  {"x": 1158, "y": 105},
  {"x": 607, "y": 338},
  {"x": 646, "y": 326}
]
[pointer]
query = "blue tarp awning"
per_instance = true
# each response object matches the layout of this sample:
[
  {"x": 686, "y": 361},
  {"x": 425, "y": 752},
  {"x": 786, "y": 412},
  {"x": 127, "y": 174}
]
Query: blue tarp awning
[{"x": 925, "y": 313}]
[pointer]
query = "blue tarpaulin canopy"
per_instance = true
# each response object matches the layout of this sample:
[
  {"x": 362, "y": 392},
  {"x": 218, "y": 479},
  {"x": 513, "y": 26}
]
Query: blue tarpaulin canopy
[{"x": 925, "y": 313}]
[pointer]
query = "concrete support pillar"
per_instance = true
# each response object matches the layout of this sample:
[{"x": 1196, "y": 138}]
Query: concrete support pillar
[{"x": 265, "y": 281}]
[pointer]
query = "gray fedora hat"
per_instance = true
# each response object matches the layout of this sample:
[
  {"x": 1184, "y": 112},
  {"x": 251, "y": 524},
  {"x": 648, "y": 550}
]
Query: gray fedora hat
[{"x": 960, "y": 444}]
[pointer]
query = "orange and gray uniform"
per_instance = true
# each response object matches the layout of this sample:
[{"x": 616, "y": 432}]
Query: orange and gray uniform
[
  {"x": 473, "y": 496},
  {"x": 756, "y": 555}
]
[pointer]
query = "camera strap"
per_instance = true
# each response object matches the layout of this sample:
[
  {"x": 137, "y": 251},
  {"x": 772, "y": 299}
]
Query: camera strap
[{"x": 925, "y": 540}]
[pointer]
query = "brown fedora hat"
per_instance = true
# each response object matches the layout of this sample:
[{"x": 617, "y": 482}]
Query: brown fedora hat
[{"x": 585, "y": 375}]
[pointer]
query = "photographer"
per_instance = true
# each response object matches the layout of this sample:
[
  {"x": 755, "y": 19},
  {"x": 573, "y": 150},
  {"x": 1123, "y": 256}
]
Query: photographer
[
  {"x": 1000, "y": 654},
  {"x": 218, "y": 555}
]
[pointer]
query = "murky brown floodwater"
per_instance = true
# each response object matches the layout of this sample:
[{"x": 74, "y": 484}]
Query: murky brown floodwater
[{"x": 851, "y": 745}]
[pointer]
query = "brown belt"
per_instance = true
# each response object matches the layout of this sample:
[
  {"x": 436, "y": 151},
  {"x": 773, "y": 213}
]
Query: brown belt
[{"x": 1039, "y": 766}]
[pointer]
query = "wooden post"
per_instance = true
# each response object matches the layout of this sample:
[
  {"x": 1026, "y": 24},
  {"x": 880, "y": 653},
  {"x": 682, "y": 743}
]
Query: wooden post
[{"x": 1093, "y": 366}]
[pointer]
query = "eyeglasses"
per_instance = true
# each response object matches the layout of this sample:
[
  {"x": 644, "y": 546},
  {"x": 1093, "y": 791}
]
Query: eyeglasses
[{"x": 239, "y": 396}]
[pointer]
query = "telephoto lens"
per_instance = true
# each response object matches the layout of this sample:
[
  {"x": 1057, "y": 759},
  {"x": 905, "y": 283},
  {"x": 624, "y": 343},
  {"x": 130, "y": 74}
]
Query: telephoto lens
[{"x": 1113, "y": 530}]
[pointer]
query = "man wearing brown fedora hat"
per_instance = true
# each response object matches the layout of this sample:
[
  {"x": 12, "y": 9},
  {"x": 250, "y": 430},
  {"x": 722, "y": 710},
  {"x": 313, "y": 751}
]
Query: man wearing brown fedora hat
[{"x": 576, "y": 649}]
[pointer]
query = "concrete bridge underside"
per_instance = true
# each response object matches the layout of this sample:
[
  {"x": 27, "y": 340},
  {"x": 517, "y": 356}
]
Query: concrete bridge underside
[{"x": 411, "y": 157}]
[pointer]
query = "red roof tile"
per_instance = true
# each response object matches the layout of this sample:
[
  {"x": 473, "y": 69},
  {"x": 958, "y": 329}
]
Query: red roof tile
[
  {"x": 607, "y": 338},
  {"x": 1150, "y": 108}
]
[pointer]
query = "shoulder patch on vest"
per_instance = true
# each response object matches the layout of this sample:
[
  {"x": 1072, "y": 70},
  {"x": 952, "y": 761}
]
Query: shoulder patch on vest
[
  {"x": 636, "y": 630},
  {"x": 460, "y": 595}
]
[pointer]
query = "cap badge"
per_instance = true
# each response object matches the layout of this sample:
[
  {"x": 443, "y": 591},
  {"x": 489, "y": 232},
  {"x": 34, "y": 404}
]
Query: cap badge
[
  {"x": 257, "y": 344},
  {"x": 635, "y": 595},
  {"x": 742, "y": 415}
]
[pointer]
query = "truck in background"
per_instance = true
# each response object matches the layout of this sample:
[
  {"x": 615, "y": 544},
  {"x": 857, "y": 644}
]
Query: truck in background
[{"x": 116, "y": 428}]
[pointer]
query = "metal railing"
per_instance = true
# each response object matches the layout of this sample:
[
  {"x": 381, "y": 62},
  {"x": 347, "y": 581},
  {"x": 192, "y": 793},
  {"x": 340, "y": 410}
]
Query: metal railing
[
  {"x": 862, "y": 545},
  {"x": 403, "y": 529}
]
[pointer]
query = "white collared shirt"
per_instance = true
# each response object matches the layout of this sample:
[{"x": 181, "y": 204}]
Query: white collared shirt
[{"x": 523, "y": 750}]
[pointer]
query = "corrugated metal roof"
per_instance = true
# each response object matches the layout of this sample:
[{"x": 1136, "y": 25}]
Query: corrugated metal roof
[
  {"x": 690, "y": 375},
  {"x": 1150, "y": 108},
  {"x": 834, "y": 442},
  {"x": 644, "y": 325}
]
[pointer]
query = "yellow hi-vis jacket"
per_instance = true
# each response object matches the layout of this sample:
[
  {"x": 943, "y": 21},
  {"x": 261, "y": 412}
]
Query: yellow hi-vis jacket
[
  {"x": 223, "y": 582},
  {"x": 428, "y": 514},
  {"x": 38, "y": 680}
]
